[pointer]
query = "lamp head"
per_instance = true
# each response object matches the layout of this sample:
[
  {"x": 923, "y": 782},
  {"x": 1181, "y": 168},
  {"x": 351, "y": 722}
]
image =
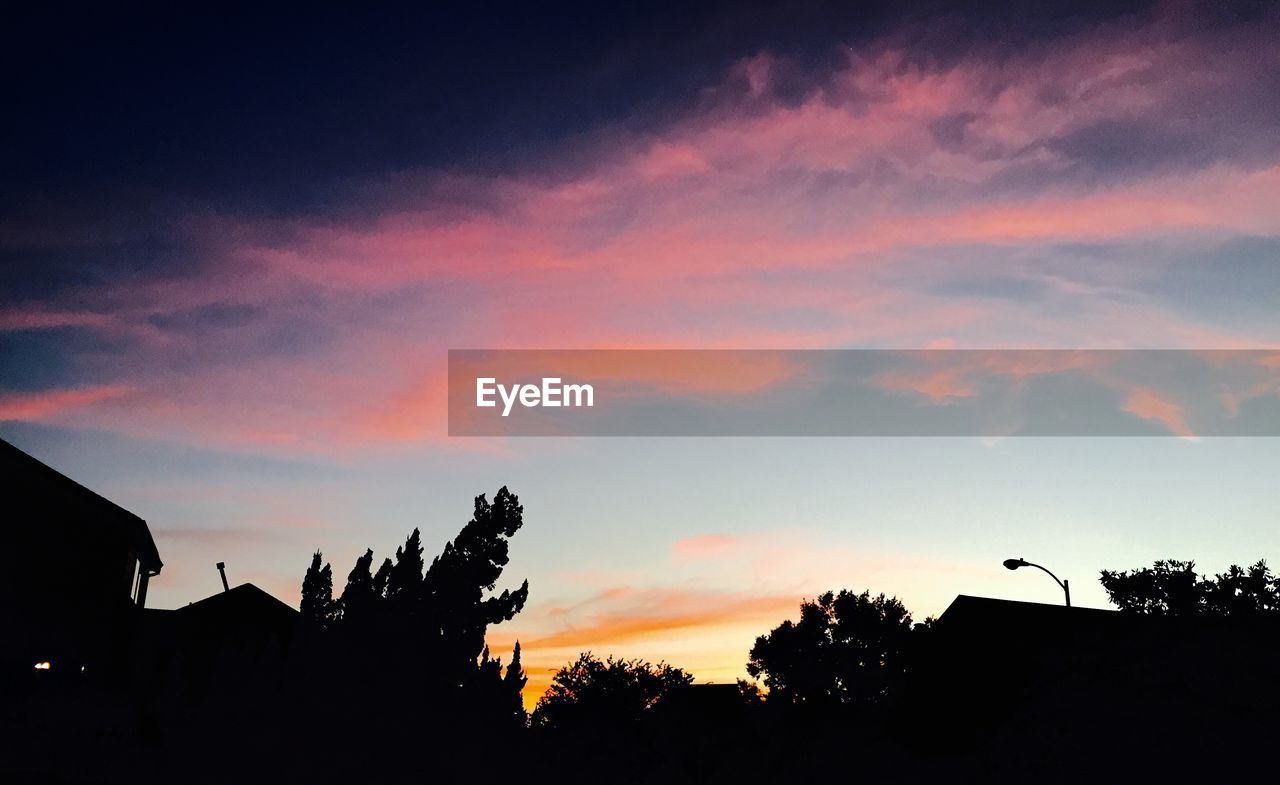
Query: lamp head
[{"x": 1013, "y": 564}]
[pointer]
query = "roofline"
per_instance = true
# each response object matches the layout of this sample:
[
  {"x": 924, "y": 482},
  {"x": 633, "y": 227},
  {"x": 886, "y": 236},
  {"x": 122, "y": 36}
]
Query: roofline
[
  {"x": 150, "y": 559},
  {"x": 241, "y": 589},
  {"x": 1051, "y": 607}
]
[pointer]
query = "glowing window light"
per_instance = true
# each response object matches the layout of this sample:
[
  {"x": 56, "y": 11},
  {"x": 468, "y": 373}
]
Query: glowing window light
[{"x": 43, "y": 666}]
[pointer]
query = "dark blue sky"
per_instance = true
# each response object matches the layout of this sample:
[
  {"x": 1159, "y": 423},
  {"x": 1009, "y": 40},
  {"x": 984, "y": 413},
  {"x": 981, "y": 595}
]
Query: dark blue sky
[{"x": 277, "y": 110}]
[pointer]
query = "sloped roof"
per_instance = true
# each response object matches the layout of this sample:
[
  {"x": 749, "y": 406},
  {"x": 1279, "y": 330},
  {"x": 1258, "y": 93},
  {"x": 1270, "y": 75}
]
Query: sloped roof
[
  {"x": 245, "y": 602},
  {"x": 967, "y": 609},
  {"x": 984, "y": 614},
  {"x": 27, "y": 476}
]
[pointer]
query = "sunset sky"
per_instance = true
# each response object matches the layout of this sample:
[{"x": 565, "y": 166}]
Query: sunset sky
[{"x": 235, "y": 255}]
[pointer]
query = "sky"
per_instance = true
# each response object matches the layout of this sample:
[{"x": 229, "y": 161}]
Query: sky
[{"x": 235, "y": 249}]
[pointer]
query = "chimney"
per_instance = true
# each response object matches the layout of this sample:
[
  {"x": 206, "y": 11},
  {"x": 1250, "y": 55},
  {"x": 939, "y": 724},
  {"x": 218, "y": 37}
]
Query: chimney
[{"x": 222, "y": 570}]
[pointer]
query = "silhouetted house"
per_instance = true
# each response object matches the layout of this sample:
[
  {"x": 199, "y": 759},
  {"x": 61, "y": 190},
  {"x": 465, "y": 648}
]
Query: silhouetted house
[
  {"x": 75, "y": 572},
  {"x": 1036, "y": 692},
  {"x": 84, "y": 666},
  {"x": 236, "y": 640}
]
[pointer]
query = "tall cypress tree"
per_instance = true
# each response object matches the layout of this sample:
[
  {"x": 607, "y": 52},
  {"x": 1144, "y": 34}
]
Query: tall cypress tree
[
  {"x": 317, "y": 606},
  {"x": 420, "y": 636},
  {"x": 381, "y": 578},
  {"x": 456, "y": 608},
  {"x": 405, "y": 579},
  {"x": 357, "y": 596},
  {"x": 513, "y": 682}
]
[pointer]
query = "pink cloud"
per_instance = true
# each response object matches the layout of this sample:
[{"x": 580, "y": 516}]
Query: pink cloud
[
  {"x": 706, "y": 545},
  {"x": 13, "y": 320},
  {"x": 939, "y": 386},
  {"x": 1151, "y": 405},
  {"x": 50, "y": 403},
  {"x": 947, "y": 376},
  {"x": 748, "y": 223}
]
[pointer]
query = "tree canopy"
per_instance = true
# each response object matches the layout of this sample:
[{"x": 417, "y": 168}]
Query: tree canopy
[
  {"x": 1173, "y": 588},
  {"x": 846, "y": 649},
  {"x": 609, "y": 692},
  {"x": 318, "y": 608},
  {"x": 421, "y": 633}
]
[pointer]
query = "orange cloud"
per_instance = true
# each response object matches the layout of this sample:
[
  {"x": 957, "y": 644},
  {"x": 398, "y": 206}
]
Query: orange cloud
[
  {"x": 666, "y": 612},
  {"x": 710, "y": 631}
]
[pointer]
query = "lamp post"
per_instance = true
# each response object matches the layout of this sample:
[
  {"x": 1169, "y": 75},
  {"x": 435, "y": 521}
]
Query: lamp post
[{"x": 1013, "y": 564}]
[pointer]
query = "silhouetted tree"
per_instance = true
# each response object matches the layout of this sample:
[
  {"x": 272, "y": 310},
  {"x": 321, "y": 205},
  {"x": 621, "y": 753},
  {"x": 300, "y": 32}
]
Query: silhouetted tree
[
  {"x": 317, "y": 607},
  {"x": 750, "y": 692},
  {"x": 610, "y": 693},
  {"x": 454, "y": 608},
  {"x": 513, "y": 682},
  {"x": 846, "y": 649},
  {"x": 358, "y": 596},
  {"x": 1168, "y": 587},
  {"x": 405, "y": 578},
  {"x": 493, "y": 693},
  {"x": 381, "y": 578},
  {"x": 418, "y": 638},
  {"x": 1254, "y": 589},
  {"x": 1172, "y": 588}
]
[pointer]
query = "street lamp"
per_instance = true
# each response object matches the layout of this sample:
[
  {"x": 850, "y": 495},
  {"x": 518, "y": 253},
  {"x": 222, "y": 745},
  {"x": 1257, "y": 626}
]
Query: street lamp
[{"x": 1013, "y": 564}]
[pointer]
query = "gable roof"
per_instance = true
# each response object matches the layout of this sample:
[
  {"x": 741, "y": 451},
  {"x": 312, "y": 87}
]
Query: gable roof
[
  {"x": 241, "y": 605},
  {"x": 24, "y": 475}
]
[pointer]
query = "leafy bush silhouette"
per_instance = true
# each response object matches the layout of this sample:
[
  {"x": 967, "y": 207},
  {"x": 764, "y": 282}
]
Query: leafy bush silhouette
[
  {"x": 612, "y": 693},
  {"x": 846, "y": 649},
  {"x": 1173, "y": 588}
]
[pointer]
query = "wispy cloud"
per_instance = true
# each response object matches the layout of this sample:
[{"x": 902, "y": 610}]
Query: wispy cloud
[
  {"x": 37, "y": 406},
  {"x": 781, "y": 210},
  {"x": 1150, "y": 404},
  {"x": 656, "y": 623}
]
